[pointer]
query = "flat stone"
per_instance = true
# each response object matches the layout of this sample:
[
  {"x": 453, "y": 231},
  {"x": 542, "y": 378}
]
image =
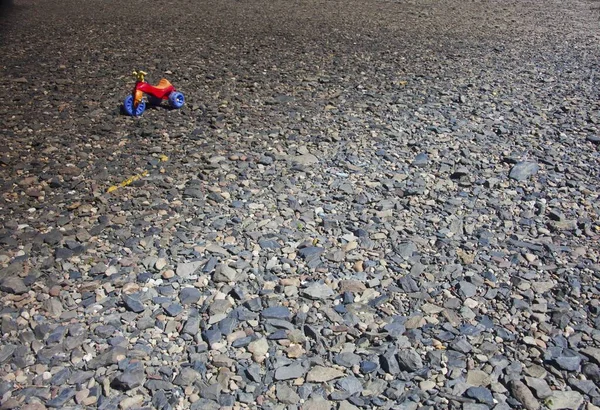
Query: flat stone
[
  {"x": 311, "y": 253},
  {"x": 13, "y": 285},
  {"x": 478, "y": 378},
  {"x": 185, "y": 270},
  {"x": 186, "y": 377},
  {"x": 595, "y": 139},
  {"x": 286, "y": 394},
  {"x": 421, "y": 159},
  {"x": 306, "y": 159},
  {"x": 570, "y": 400},
  {"x": 259, "y": 349},
  {"x": 129, "y": 380},
  {"x": 317, "y": 403},
  {"x": 569, "y": 363},
  {"x": 189, "y": 296},
  {"x": 389, "y": 362},
  {"x": 173, "y": 309},
  {"x": 347, "y": 359},
  {"x": 409, "y": 360},
  {"x": 593, "y": 353},
  {"x": 522, "y": 393},
  {"x": 276, "y": 312},
  {"x": 481, "y": 394},
  {"x": 523, "y": 170},
  {"x": 467, "y": 289},
  {"x": 292, "y": 371},
  {"x": 320, "y": 374},
  {"x": 224, "y": 273},
  {"x": 132, "y": 303},
  {"x": 317, "y": 291},
  {"x": 63, "y": 397},
  {"x": 350, "y": 384}
]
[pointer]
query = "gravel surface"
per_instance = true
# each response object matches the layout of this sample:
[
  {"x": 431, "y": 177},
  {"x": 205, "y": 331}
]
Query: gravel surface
[{"x": 376, "y": 204}]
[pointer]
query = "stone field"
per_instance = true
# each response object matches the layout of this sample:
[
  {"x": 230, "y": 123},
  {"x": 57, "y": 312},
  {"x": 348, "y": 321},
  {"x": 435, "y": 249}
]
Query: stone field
[{"x": 387, "y": 204}]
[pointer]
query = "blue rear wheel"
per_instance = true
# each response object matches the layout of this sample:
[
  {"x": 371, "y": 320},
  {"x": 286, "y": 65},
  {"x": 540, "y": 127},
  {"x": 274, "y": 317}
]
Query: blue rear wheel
[
  {"x": 130, "y": 109},
  {"x": 176, "y": 99}
]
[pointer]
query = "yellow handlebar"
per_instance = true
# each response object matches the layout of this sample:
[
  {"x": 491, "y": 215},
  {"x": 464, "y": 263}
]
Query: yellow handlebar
[{"x": 139, "y": 75}]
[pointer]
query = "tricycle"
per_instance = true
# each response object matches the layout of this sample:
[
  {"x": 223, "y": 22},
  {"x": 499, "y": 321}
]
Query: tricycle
[{"x": 135, "y": 103}]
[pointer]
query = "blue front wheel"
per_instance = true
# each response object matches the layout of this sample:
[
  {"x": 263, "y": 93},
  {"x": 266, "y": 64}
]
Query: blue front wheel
[
  {"x": 176, "y": 99},
  {"x": 131, "y": 109}
]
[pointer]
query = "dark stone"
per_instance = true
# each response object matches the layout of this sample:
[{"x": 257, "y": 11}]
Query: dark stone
[
  {"x": 311, "y": 252},
  {"x": 132, "y": 377},
  {"x": 367, "y": 367},
  {"x": 212, "y": 336},
  {"x": 346, "y": 359},
  {"x": 421, "y": 160},
  {"x": 569, "y": 363},
  {"x": 409, "y": 360},
  {"x": 189, "y": 296},
  {"x": 61, "y": 377},
  {"x": 276, "y": 312},
  {"x": 389, "y": 363},
  {"x": 132, "y": 303},
  {"x": 62, "y": 398},
  {"x": 173, "y": 309},
  {"x": 481, "y": 394}
]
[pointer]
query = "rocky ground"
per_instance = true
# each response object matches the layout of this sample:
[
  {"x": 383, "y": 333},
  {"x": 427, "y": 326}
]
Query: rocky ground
[{"x": 363, "y": 204}]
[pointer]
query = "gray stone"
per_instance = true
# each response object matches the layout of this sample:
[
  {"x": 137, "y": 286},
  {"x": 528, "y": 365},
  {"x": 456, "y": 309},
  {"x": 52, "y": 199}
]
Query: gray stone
[
  {"x": 276, "y": 312},
  {"x": 321, "y": 374},
  {"x": 595, "y": 139},
  {"x": 347, "y": 359},
  {"x": 350, "y": 384},
  {"x": 189, "y": 296},
  {"x": 7, "y": 352},
  {"x": 186, "y": 377},
  {"x": 286, "y": 394},
  {"x": 211, "y": 392},
  {"x": 185, "y": 270},
  {"x": 13, "y": 285},
  {"x": 389, "y": 363},
  {"x": 569, "y": 363},
  {"x": 130, "y": 379},
  {"x": 173, "y": 309},
  {"x": 192, "y": 326},
  {"x": 559, "y": 400},
  {"x": 63, "y": 397},
  {"x": 132, "y": 303},
  {"x": 292, "y": 371},
  {"x": 467, "y": 289},
  {"x": 421, "y": 160},
  {"x": 541, "y": 388},
  {"x": 311, "y": 252},
  {"x": 523, "y": 170},
  {"x": 306, "y": 159},
  {"x": 522, "y": 393},
  {"x": 317, "y": 291},
  {"x": 481, "y": 394},
  {"x": 409, "y": 360},
  {"x": 224, "y": 273}
]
